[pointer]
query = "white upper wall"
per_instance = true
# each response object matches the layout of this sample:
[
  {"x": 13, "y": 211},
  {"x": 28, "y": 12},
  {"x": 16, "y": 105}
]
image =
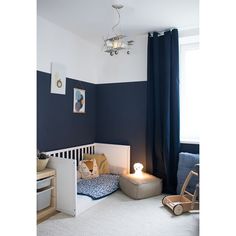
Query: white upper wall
[
  {"x": 75, "y": 37},
  {"x": 86, "y": 61},
  {"x": 55, "y": 44},
  {"x": 125, "y": 68}
]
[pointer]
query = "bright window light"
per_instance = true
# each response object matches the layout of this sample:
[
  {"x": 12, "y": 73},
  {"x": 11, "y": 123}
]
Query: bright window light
[{"x": 189, "y": 93}]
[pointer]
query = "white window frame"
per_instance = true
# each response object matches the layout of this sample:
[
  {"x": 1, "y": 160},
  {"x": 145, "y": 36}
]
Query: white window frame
[{"x": 186, "y": 43}]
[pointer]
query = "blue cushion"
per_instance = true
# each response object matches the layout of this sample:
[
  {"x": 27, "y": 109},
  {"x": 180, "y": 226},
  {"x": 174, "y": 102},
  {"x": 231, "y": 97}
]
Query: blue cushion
[
  {"x": 99, "y": 187},
  {"x": 187, "y": 161}
]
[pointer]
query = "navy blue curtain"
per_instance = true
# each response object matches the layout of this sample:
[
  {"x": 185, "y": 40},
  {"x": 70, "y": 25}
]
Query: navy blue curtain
[{"x": 163, "y": 108}]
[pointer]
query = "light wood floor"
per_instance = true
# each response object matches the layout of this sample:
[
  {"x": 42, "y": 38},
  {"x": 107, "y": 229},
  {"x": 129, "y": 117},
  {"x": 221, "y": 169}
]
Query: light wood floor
[{"x": 47, "y": 217}]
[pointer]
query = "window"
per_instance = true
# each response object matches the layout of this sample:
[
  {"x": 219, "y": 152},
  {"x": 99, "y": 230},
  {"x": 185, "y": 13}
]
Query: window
[{"x": 189, "y": 93}]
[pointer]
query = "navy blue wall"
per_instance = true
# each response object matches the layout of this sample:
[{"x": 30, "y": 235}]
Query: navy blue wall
[
  {"x": 121, "y": 116},
  {"x": 57, "y": 126},
  {"x": 192, "y": 148},
  {"x": 115, "y": 113}
]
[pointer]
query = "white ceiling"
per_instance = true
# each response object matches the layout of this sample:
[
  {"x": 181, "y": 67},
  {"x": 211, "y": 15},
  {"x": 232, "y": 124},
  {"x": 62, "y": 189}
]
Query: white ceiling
[{"x": 93, "y": 19}]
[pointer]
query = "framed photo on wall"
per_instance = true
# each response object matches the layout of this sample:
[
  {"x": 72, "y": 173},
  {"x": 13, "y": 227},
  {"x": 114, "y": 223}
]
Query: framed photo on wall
[
  {"x": 58, "y": 78},
  {"x": 79, "y": 101}
]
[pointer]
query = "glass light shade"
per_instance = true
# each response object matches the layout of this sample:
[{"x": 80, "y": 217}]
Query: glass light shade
[
  {"x": 115, "y": 44},
  {"x": 138, "y": 168},
  {"x": 108, "y": 44}
]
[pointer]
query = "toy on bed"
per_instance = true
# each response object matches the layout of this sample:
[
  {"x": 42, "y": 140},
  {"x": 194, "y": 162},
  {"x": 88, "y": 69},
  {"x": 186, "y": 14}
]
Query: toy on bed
[
  {"x": 96, "y": 180},
  {"x": 88, "y": 169}
]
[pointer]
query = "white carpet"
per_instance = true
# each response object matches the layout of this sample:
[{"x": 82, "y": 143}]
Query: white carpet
[{"x": 118, "y": 215}]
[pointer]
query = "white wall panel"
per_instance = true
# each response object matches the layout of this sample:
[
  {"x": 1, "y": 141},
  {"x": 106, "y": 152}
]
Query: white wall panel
[
  {"x": 125, "y": 68},
  {"x": 55, "y": 44},
  {"x": 85, "y": 60}
]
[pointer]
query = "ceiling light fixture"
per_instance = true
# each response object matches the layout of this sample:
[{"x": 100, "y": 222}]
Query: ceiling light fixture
[{"x": 116, "y": 43}]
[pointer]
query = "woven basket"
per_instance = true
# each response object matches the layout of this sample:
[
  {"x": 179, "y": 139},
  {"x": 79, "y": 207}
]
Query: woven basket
[{"x": 41, "y": 164}]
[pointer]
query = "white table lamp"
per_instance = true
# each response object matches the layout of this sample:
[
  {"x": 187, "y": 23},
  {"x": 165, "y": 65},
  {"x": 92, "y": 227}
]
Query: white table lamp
[{"x": 138, "y": 168}]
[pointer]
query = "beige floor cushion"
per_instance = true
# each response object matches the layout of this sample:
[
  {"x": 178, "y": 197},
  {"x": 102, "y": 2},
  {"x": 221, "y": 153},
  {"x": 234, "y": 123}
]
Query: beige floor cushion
[{"x": 139, "y": 187}]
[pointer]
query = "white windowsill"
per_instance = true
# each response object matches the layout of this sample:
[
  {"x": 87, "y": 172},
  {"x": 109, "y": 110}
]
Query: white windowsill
[{"x": 190, "y": 142}]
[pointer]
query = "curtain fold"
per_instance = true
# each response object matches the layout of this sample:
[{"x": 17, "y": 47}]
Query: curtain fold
[{"x": 163, "y": 108}]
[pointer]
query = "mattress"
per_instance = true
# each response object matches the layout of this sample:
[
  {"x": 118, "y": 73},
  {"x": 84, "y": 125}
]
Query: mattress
[{"x": 99, "y": 187}]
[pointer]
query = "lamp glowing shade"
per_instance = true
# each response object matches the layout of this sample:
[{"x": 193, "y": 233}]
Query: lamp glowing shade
[
  {"x": 138, "y": 168},
  {"x": 116, "y": 43}
]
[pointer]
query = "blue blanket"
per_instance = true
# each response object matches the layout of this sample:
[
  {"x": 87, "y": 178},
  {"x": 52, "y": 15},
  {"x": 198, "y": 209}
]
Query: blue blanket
[{"x": 99, "y": 187}]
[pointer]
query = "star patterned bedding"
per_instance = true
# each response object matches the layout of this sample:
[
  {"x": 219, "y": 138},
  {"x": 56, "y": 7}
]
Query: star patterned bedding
[{"x": 99, "y": 187}]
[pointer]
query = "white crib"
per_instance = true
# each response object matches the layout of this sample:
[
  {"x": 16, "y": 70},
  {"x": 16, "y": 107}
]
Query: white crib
[{"x": 65, "y": 161}]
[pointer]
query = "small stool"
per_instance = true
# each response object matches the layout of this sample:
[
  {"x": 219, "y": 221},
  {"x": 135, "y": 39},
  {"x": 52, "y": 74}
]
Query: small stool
[{"x": 140, "y": 186}]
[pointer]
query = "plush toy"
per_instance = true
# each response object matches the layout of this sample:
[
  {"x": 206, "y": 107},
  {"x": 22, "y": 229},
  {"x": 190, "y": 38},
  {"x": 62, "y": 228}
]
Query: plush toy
[{"x": 88, "y": 169}]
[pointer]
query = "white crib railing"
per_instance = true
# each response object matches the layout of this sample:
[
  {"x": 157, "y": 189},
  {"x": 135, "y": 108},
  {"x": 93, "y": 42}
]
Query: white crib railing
[
  {"x": 75, "y": 153},
  {"x": 65, "y": 162}
]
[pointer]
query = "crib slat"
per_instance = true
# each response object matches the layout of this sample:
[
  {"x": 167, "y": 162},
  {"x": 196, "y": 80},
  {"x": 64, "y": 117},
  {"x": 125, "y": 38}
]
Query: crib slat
[
  {"x": 76, "y": 156},
  {"x": 75, "y": 153},
  {"x": 83, "y": 153}
]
